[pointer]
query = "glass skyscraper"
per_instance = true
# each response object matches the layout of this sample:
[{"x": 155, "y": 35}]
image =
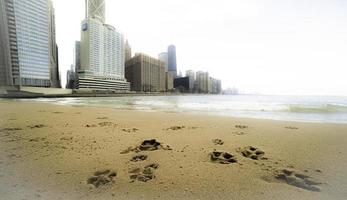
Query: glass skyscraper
[
  {"x": 172, "y": 60},
  {"x": 28, "y": 37}
]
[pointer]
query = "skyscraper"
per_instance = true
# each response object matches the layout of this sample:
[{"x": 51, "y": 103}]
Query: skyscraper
[
  {"x": 96, "y": 9},
  {"x": 172, "y": 60},
  {"x": 102, "y": 52},
  {"x": 127, "y": 51},
  {"x": 164, "y": 57},
  {"x": 29, "y": 55}
]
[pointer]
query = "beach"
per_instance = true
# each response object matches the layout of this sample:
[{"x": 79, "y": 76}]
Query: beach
[{"x": 78, "y": 152}]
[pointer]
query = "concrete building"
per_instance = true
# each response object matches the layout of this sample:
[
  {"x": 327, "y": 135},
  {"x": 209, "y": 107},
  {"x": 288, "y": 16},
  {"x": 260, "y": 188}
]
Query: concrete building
[
  {"x": 127, "y": 51},
  {"x": 145, "y": 73},
  {"x": 164, "y": 57},
  {"x": 169, "y": 82},
  {"x": 216, "y": 86},
  {"x": 102, "y": 53},
  {"x": 203, "y": 82},
  {"x": 28, "y": 50},
  {"x": 172, "y": 60},
  {"x": 192, "y": 80}
]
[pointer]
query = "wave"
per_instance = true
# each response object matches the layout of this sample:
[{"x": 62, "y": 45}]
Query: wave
[{"x": 322, "y": 108}]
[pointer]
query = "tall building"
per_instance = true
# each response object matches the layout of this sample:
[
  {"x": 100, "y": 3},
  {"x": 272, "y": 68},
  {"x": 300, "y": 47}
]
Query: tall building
[
  {"x": 127, "y": 51},
  {"x": 191, "y": 75},
  {"x": 96, "y": 9},
  {"x": 172, "y": 60},
  {"x": 164, "y": 57},
  {"x": 101, "y": 52},
  {"x": 77, "y": 56},
  {"x": 203, "y": 82},
  {"x": 29, "y": 54},
  {"x": 146, "y": 74}
]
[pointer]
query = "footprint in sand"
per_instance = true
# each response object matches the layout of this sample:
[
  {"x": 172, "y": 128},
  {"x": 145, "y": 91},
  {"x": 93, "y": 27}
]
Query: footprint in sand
[
  {"x": 291, "y": 127},
  {"x": 298, "y": 180},
  {"x": 101, "y": 178},
  {"x": 241, "y": 126},
  {"x": 176, "y": 128},
  {"x": 147, "y": 145},
  {"x": 252, "y": 153},
  {"x": 130, "y": 130},
  {"x": 37, "y": 126},
  {"x": 218, "y": 141},
  {"x": 139, "y": 158},
  {"x": 222, "y": 157},
  {"x": 148, "y": 173}
]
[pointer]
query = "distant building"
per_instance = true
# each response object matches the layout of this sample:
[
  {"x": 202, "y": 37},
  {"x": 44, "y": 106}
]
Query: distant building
[
  {"x": 127, "y": 51},
  {"x": 169, "y": 82},
  {"x": 28, "y": 50},
  {"x": 203, "y": 82},
  {"x": 172, "y": 60},
  {"x": 77, "y": 56},
  {"x": 70, "y": 78},
  {"x": 102, "y": 53},
  {"x": 182, "y": 84},
  {"x": 192, "y": 80},
  {"x": 145, "y": 73},
  {"x": 216, "y": 86},
  {"x": 164, "y": 57}
]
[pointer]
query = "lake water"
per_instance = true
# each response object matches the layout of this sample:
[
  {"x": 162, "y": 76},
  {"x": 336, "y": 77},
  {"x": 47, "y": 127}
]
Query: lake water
[{"x": 288, "y": 108}]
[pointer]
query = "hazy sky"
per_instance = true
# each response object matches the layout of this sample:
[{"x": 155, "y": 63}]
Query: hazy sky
[{"x": 262, "y": 46}]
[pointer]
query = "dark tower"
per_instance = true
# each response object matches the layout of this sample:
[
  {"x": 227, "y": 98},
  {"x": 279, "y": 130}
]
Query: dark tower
[{"x": 172, "y": 60}]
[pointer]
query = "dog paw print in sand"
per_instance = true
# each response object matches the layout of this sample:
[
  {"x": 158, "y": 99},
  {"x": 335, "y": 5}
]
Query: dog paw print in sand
[
  {"x": 139, "y": 158},
  {"x": 222, "y": 157},
  {"x": 298, "y": 180},
  {"x": 147, "y": 145},
  {"x": 291, "y": 127},
  {"x": 101, "y": 178},
  {"x": 218, "y": 141},
  {"x": 241, "y": 126},
  {"x": 145, "y": 174},
  {"x": 252, "y": 153},
  {"x": 130, "y": 130},
  {"x": 36, "y": 126}
]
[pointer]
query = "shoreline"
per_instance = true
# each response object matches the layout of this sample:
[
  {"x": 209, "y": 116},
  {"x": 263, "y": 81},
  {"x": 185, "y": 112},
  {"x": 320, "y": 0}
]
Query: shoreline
[{"x": 51, "y": 151}]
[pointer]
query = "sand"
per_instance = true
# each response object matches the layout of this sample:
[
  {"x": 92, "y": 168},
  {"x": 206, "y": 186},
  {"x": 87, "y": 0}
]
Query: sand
[{"x": 62, "y": 152}]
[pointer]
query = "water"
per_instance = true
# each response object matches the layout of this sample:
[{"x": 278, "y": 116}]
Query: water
[{"x": 289, "y": 108}]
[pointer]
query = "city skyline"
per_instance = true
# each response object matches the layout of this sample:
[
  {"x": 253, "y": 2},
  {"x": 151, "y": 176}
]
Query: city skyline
[{"x": 253, "y": 48}]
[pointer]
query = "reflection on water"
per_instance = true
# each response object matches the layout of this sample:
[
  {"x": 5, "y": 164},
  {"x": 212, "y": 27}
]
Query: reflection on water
[{"x": 291, "y": 108}]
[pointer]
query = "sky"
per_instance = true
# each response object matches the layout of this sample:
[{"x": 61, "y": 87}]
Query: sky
[{"x": 283, "y": 47}]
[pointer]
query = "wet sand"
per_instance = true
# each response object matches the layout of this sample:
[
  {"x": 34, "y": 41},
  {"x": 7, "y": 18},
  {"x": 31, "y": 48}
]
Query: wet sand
[{"x": 62, "y": 152}]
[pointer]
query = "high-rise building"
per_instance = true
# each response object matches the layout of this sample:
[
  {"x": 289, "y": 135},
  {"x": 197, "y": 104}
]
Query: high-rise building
[
  {"x": 127, "y": 51},
  {"x": 203, "y": 82},
  {"x": 191, "y": 75},
  {"x": 96, "y": 9},
  {"x": 29, "y": 54},
  {"x": 77, "y": 56},
  {"x": 146, "y": 74},
  {"x": 172, "y": 60},
  {"x": 101, "y": 52},
  {"x": 164, "y": 57}
]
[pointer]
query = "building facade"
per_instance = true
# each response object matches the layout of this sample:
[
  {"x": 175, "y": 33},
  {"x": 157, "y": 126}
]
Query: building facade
[
  {"x": 172, "y": 60},
  {"x": 202, "y": 82},
  {"x": 29, "y": 54},
  {"x": 101, "y": 53},
  {"x": 164, "y": 57},
  {"x": 146, "y": 74},
  {"x": 127, "y": 51}
]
